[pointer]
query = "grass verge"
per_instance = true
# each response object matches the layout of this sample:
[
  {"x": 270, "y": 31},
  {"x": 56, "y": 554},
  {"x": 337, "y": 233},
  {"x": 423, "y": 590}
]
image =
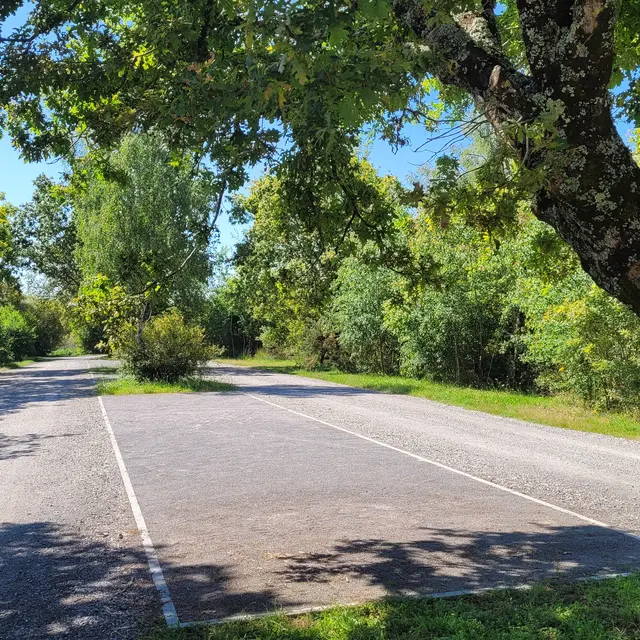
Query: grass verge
[
  {"x": 65, "y": 352},
  {"x": 18, "y": 364},
  {"x": 129, "y": 386},
  {"x": 556, "y": 411},
  {"x": 607, "y": 609}
]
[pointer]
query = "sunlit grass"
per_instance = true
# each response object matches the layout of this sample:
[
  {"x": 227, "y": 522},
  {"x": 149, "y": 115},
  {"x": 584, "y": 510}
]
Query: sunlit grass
[
  {"x": 129, "y": 386},
  {"x": 603, "y": 610},
  {"x": 18, "y": 364},
  {"x": 556, "y": 411}
]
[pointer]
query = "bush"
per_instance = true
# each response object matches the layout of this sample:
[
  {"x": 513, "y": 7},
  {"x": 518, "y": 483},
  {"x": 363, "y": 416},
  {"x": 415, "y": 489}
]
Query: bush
[
  {"x": 586, "y": 343},
  {"x": 46, "y": 319},
  {"x": 361, "y": 292},
  {"x": 167, "y": 349},
  {"x": 17, "y": 336}
]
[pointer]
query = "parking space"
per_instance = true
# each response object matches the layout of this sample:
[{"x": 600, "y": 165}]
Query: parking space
[{"x": 252, "y": 506}]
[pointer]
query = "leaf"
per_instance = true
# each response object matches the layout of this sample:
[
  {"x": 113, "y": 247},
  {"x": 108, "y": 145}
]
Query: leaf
[{"x": 337, "y": 35}]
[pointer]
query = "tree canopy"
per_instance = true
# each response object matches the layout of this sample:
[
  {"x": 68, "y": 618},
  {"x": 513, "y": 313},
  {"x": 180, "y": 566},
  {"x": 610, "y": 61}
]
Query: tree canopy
[{"x": 297, "y": 80}]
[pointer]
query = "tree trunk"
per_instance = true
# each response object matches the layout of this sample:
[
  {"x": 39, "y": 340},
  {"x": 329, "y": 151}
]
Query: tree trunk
[{"x": 591, "y": 189}]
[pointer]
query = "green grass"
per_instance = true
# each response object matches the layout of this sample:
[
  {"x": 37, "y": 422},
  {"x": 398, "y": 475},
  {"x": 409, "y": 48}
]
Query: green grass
[
  {"x": 128, "y": 386},
  {"x": 62, "y": 352},
  {"x": 603, "y": 610},
  {"x": 18, "y": 364},
  {"x": 556, "y": 411}
]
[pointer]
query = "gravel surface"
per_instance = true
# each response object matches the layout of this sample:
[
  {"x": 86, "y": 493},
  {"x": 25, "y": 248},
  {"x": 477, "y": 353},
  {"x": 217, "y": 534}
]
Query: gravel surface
[
  {"x": 595, "y": 475},
  {"x": 71, "y": 562},
  {"x": 250, "y": 506}
]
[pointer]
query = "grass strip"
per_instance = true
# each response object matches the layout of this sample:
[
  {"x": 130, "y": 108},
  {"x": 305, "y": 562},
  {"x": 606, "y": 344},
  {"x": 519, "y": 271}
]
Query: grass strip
[
  {"x": 129, "y": 386},
  {"x": 593, "y": 610},
  {"x": 18, "y": 364},
  {"x": 555, "y": 411}
]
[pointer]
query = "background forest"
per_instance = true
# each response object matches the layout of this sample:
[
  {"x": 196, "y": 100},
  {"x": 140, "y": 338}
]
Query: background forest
[{"x": 465, "y": 288}]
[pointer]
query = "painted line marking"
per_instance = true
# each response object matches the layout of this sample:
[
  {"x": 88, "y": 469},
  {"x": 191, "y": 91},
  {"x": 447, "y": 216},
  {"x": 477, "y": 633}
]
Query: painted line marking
[
  {"x": 440, "y": 465},
  {"x": 168, "y": 608}
]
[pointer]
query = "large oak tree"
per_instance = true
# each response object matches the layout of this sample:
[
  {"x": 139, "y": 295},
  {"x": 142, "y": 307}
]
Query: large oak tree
[{"x": 249, "y": 79}]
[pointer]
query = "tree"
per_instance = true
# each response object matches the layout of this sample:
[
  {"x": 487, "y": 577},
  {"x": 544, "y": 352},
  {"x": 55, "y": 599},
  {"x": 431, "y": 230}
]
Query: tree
[
  {"x": 230, "y": 79},
  {"x": 45, "y": 234},
  {"x": 146, "y": 229},
  {"x": 286, "y": 264},
  {"x": 9, "y": 290}
]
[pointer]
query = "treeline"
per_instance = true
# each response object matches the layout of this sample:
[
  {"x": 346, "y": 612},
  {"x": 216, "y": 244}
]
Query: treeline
[
  {"x": 433, "y": 297},
  {"x": 29, "y": 325},
  {"x": 340, "y": 268}
]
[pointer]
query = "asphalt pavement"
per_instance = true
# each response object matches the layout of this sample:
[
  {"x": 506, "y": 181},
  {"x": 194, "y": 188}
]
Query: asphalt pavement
[
  {"x": 288, "y": 492},
  {"x": 71, "y": 563}
]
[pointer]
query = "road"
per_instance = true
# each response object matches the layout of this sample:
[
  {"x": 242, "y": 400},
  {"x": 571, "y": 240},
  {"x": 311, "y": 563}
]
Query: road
[
  {"x": 289, "y": 491},
  {"x": 592, "y": 474},
  {"x": 71, "y": 564}
]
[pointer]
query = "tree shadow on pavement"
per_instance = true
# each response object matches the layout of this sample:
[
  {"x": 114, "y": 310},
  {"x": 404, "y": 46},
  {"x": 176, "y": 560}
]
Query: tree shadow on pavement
[
  {"x": 55, "y": 583},
  {"x": 27, "y": 444},
  {"x": 36, "y": 386},
  {"x": 448, "y": 560}
]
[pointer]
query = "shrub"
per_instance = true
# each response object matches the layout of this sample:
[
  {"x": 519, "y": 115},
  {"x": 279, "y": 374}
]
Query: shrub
[
  {"x": 167, "y": 349},
  {"x": 361, "y": 292},
  {"x": 586, "y": 343},
  {"x": 17, "y": 336},
  {"x": 46, "y": 319}
]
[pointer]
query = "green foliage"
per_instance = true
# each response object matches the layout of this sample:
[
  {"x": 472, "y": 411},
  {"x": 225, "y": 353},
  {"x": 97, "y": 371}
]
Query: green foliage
[
  {"x": 46, "y": 317},
  {"x": 165, "y": 348},
  {"x": 146, "y": 226},
  {"x": 128, "y": 386},
  {"x": 101, "y": 310},
  {"x": 17, "y": 336},
  {"x": 461, "y": 325},
  {"x": 361, "y": 292},
  {"x": 585, "y": 342},
  {"x": 588, "y": 610},
  {"x": 439, "y": 299},
  {"x": 296, "y": 84},
  {"x": 287, "y": 263},
  {"x": 9, "y": 291},
  {"x": 227, "y": 321},
  {"x": 45, "y": 234}
]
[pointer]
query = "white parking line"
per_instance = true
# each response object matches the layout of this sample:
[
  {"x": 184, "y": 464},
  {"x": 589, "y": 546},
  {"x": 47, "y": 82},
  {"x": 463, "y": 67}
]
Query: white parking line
[
  {"x": 415, "y": 456},
  {"x": 168, "y": 608}
]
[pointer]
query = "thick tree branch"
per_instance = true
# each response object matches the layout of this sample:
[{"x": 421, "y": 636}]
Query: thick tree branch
[{"x": 504, "y": 92}]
